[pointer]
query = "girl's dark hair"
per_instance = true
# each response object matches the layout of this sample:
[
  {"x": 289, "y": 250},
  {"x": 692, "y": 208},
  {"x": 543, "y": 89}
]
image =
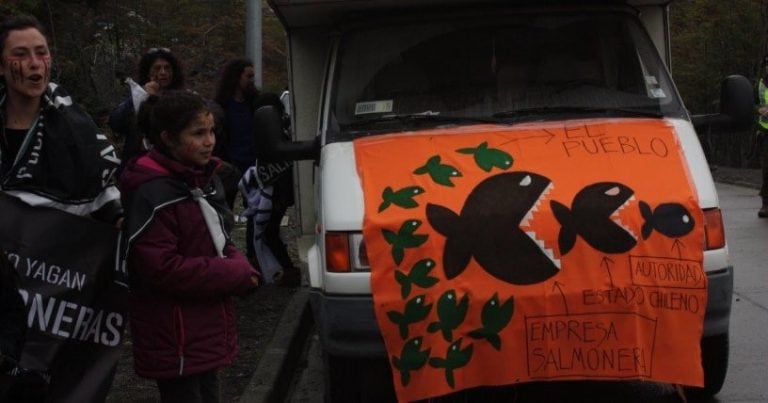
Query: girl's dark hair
[
  {"x": 149, "y": 58},
  {"x": 230, "y": 78},
  {"x": 171, "y": 112}
]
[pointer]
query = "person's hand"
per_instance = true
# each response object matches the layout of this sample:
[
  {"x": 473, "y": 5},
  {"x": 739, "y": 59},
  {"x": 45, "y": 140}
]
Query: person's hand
[
  {"x": 152, "y": 88},
  {"x": 255, "y": 280},
  {"x": 119, "y": 223},
  {"x": 762, "y": 110}
]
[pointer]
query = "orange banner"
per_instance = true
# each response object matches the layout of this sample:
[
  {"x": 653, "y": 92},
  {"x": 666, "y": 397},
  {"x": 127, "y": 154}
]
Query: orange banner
[{"x": 541, "y": 252}]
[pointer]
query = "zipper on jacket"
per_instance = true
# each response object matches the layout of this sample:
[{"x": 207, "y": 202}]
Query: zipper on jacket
[{"x": 179, "y": 337}]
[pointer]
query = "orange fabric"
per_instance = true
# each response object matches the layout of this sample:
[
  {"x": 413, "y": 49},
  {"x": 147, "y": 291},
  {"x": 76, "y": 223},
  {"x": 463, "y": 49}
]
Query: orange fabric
[{"x": 492, "y": 308}]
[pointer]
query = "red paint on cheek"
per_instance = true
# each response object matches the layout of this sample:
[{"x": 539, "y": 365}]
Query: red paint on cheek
[
  {"x": 16, "y": 75},
  {"x": 47, "y": 68}
]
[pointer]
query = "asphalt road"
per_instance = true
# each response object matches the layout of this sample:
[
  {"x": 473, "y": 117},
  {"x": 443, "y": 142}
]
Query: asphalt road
[{"x": 746, "y": 382}]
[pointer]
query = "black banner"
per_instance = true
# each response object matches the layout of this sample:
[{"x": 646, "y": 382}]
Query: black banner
[{"x": 75, "y": 300}]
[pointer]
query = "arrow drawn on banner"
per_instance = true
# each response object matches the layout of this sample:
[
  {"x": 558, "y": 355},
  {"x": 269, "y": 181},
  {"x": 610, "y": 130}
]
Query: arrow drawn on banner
[
  {"x": 606, "y": 262},
  {"x": 678, "y": 244},
  {"x": 546, "y": 135},
  {"x": 557, "y": 286}
]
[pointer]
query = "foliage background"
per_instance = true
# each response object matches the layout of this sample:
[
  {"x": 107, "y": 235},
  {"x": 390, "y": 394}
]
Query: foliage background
[{"x": 97, "y": 41}]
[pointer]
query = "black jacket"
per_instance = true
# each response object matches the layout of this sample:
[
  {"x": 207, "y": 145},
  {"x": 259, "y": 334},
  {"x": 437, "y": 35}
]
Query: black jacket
[{"x": 13, "y": 326}]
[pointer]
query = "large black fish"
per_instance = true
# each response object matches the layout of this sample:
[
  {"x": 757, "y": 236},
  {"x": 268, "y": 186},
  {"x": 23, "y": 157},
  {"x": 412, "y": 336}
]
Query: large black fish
[
  {"x": 488, "y": 229},
  {"x": 594, "y": 216},
  {"x": 670, "y": 219}
]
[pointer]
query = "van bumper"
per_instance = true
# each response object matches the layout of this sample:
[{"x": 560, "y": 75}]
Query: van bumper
[
  {"x": 719, "y": 299},
  {"x": 347, "y": 324}
]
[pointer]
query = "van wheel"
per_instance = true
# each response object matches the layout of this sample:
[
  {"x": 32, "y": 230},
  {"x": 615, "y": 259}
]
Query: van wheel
[
  {"x": 714, "y": 359},
  {"x": 357, "y": 380}
]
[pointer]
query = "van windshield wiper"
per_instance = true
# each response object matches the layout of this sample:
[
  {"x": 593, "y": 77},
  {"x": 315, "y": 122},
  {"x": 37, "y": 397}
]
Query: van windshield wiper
[
  {"x": 553, "y": 110},
  {"x": 417, "y": 118}
]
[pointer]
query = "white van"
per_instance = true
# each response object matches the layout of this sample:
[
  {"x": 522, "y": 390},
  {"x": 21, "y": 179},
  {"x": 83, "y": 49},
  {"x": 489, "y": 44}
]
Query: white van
[{"x": 560, "y": 61}]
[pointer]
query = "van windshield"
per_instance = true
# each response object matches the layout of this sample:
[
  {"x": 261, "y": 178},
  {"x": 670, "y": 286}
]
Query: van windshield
[{"x": 521, "y": 67}]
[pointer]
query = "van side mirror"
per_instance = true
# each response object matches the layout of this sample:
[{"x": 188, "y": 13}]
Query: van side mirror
[
  {"x": 269, "y": 121},
  {"x": 736, "y": 106}
]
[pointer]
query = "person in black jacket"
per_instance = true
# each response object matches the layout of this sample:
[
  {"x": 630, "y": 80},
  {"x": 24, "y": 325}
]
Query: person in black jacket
[
  {"x": 159, "y": 71},
  {"x": 13, "y": 326}
]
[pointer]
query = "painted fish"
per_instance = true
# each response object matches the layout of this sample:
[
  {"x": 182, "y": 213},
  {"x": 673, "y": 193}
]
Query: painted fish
[
  {"x": 419, "y": 276},
  {"x": 439, "y": 172},
  {"x": 594, "y": 215},
  {"x": 401, "y": 198},
  {"x": 455, "y": 358},
  {"x": 450, "y": 313},
  {"x": 489, "y": 230},
  {"x": 488, "y": 158},
  {"x": 494, "y": 317},
  {"x": 415, "y": 311},
  {"x": 411, "y": 358},
  {"x": 670, "y": 219},
  {"x": 404, "y": 238}
]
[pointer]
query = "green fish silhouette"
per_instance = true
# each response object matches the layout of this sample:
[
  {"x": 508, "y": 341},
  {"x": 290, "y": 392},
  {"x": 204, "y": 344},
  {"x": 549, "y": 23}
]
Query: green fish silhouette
[
  {"x": 404, "y": 238},
  {"x": 494, "y": 317},
  {"x": 440, "y": 173},
  {"x": 487, "y": 158},
  {"x": 415, "y": 311},
  {"x": 411, "y": 359},
  {"x": 403, "y": 197},
  {"x": 455, "y": 358},
  {"x": 450, "y": 314},
  {"x": 419, "y": 276}
]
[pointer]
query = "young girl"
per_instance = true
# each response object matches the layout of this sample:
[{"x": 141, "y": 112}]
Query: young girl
[{"x": 181, "y": 264}]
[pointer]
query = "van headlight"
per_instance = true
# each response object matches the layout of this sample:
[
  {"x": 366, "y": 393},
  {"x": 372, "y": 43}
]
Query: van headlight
[{"x": 345, "y": 252}]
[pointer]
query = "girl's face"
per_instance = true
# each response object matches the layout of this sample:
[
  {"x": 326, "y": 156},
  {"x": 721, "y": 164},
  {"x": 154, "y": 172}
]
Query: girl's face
[
  {"x": 194, "y": 145},
  {"x": 26, "y": 63}
]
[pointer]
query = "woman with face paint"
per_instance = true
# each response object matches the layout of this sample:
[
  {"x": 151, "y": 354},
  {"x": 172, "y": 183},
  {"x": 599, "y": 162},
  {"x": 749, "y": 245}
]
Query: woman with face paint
[
  {"x": 51, "y": 156},
  {"x": 39, "y": 123}
]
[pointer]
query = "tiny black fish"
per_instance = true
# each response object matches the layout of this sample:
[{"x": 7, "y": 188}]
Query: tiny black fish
[{"x": 670, "y": 219}]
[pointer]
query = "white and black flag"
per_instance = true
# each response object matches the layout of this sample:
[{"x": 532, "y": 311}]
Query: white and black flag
[{"x": 76, "y": 301}]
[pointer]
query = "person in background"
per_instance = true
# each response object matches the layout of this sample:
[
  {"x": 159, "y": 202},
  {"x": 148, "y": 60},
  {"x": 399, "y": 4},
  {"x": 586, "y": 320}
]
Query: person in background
[
  {"x": 235, "y": 96},
  {"x": 159, "y": 70},
  {"x": 762, "y": 129},
  {"x": 270, "y": 183},
  {"x": 182, "y": 266}
]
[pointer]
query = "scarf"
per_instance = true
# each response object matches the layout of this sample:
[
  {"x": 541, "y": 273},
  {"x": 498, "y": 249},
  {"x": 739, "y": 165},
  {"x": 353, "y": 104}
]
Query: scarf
[{"x": 64, "y": 162}]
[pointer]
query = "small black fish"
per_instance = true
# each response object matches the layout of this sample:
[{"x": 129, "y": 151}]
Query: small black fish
[
  {"x": 412, "y": 358},
  {"x": 416, "y": 310},
  {"x": 402, "y": 198},
  {"x": 419, "y": 276},
  {"x": 488, "y": 158},
  {"x": 439, "y": 172},
  {"x": 488, "y": 230},
  {"x": 594, "y": 216},
  {"x": 450, "y": 314},
  {"x": 494, "y": 317},
  {"x": 455, "y": 358},
  {"x": 670, "y": 219},
  {"x": 404, "y": 238}
]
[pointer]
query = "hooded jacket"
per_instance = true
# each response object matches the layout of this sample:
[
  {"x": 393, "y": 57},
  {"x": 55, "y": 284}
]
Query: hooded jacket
[{"x": 181, "y": 315}]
